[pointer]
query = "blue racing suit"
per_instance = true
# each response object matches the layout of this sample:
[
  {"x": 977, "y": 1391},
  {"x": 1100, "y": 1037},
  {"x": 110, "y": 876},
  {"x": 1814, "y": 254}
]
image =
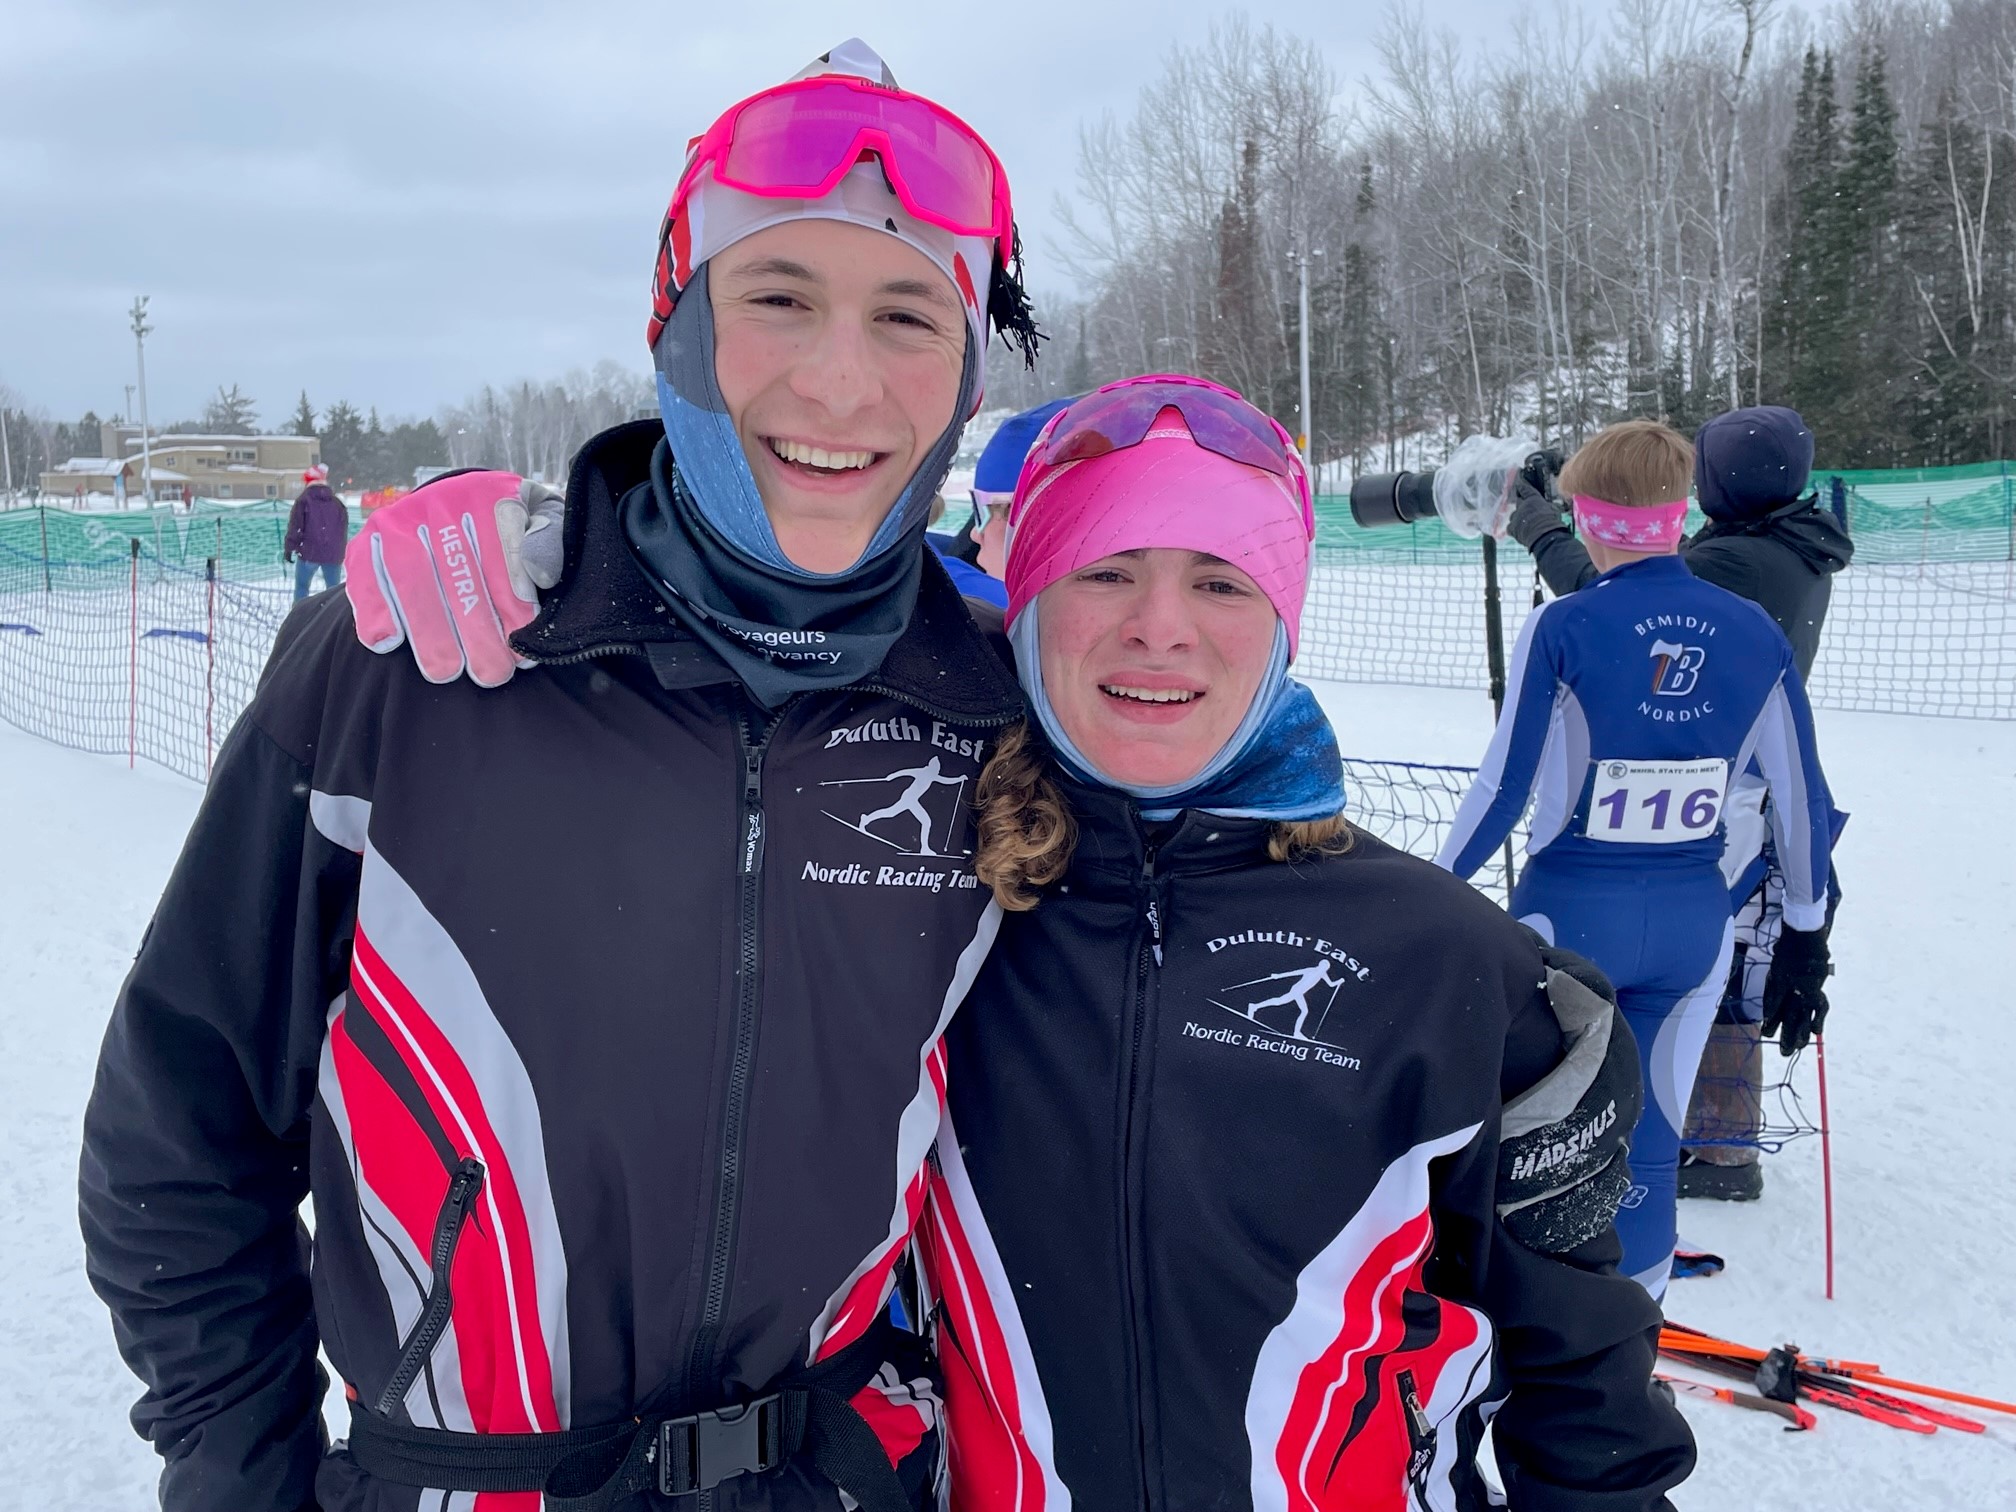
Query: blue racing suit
[{"x": 1630, "y": 705}]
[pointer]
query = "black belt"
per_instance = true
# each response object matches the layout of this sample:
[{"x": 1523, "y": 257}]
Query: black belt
[{"x": 592, "y": 1469}]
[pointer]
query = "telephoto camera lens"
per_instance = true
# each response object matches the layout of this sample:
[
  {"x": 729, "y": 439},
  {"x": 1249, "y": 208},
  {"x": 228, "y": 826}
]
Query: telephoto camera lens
[{"x": 1393, "y": 498}]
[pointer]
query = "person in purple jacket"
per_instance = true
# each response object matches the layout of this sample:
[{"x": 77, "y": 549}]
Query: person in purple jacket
[{"x": 318, "y": 529}]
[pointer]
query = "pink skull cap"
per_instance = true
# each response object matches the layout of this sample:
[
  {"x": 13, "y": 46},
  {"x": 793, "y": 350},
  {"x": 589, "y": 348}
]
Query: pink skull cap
[{"x": 1166, "y": 489}]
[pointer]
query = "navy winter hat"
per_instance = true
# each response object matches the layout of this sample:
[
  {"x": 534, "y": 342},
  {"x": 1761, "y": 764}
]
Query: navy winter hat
[
  {"x": 1751, "y": 461},
  {"x": 1001, "y": 462}
]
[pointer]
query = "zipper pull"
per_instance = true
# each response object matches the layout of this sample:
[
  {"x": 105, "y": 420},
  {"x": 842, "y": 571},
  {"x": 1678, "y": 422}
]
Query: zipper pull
[
  {"x": 1154, "y": 913},
  {"x": 752, "y": 812},
  {"x": 468, "y": 1177},
  {"x": 1420, "y": 1434}
]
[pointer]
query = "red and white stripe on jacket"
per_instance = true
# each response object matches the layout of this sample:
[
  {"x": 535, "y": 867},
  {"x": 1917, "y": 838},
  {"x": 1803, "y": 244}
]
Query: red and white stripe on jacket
[
  {"x": 1324, "y": 1416},
  {"x": 501, "y": 1365}
]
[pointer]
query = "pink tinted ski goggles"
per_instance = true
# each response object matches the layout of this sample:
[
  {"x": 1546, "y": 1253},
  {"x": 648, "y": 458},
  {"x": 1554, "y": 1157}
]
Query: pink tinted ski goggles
[
  {"x": 1123, "y": 414},
  {"x": 798, "y": 140}
]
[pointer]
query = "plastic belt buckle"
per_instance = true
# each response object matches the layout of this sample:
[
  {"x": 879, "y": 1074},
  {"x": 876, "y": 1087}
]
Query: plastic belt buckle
[{"x": 720, "y": 1445}]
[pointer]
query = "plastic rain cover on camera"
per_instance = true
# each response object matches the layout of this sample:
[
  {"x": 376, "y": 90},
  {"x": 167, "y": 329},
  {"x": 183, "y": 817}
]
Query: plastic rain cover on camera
[{"x": 1473, "y": 490}]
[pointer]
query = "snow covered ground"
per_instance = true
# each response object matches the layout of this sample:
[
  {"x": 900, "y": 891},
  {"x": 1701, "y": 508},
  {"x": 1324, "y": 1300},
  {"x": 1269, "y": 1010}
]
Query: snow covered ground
[{"x": 1923, "y": 1056}]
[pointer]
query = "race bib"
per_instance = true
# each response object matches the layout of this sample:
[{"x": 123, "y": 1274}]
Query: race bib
[{"x": 1657, "y": 802}]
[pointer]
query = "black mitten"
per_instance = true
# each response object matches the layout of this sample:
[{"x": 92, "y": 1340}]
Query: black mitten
[{"x": 1795, "y": 995}]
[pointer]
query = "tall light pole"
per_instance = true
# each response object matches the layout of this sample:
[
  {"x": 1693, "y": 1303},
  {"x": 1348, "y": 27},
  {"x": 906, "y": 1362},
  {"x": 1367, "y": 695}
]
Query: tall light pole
[
  {"x": 140, "y": 333},
  {"x": 6, "y": 460},
  {"x": 1301, "y": 260}
]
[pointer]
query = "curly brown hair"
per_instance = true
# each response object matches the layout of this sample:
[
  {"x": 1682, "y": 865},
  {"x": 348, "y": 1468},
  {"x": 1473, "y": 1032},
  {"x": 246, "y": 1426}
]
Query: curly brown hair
[{"x": 1027, "y": 833}]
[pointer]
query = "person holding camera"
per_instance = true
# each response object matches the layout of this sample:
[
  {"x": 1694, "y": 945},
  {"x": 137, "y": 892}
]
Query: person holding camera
[
  {"x": 1768, "y": 540},
  {"x": 1630, "y": 706}
]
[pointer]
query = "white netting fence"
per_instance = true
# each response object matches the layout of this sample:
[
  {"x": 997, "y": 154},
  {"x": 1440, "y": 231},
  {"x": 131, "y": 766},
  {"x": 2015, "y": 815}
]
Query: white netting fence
[{"x": 137, "y": 635}]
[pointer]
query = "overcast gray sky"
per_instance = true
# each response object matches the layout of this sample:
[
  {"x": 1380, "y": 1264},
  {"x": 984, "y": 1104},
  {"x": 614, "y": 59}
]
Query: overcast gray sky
[{"x": 394, "y": 203}]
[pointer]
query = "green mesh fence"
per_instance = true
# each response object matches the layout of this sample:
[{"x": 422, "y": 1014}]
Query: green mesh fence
[
  {"x": 244, "y": 540},
  {"x": 1924, "y": 622}
]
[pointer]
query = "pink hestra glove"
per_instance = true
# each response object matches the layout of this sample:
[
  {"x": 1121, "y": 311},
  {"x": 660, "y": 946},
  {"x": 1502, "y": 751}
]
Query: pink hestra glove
[{"x": 453, "y": 569}]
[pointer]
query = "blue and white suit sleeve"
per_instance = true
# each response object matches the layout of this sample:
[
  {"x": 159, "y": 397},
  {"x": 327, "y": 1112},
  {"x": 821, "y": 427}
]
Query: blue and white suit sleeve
[
  {"x": 1504, "y": 785},
  {"x": 1802, "y": 810}
]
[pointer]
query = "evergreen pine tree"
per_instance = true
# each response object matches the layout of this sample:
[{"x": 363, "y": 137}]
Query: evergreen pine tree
[
  {"x": 304, "y": 417},
  {"x": 1879, "y": 369},
  {"x": 374, "y": 462},
  {"x": 342, "y": 444},
  {"x": 411, "y": 445},
  {"x": 1355, "y": 383},
  {"x": 1802, "y": 324}
]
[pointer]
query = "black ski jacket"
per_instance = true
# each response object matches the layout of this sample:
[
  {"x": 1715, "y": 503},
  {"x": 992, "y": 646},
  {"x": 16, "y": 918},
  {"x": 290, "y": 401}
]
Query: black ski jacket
[
  {"x": 1783, "y": 562},
  {"x": 1215, "y": 1221},
  {"x": 599, "y": 1017}
]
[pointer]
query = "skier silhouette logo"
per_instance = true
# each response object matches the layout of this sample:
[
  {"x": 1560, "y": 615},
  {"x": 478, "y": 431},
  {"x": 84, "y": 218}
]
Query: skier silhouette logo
[
  {"x": 909, "y": 804},
  {"x": 1302, "y": 995}
]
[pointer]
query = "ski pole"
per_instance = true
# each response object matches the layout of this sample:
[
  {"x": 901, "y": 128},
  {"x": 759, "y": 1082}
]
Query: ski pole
[
  {"x": 1686, "y": 1341},
  {"x": 1826, "y": 1159}
]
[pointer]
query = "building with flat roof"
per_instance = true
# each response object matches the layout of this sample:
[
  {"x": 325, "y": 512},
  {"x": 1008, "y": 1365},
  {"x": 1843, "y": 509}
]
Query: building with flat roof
[{"x": 211, "y": 467}]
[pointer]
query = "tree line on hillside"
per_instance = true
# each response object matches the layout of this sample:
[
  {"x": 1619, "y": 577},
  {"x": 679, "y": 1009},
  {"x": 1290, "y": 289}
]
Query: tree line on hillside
[
  {"x": 529, "y": 428},
  {"x": 1670, "y": 209},
  {"x": 1695, "y": 205}
]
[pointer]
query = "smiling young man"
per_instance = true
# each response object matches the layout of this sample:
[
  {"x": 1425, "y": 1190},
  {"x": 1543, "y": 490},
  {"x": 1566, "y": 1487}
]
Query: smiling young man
[{"x": 600, "y": 1016}]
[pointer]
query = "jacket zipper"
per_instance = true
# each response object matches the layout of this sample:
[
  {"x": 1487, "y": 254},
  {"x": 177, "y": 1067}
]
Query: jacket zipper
[
  {"x": 1420, "y": 1436},
  {"x": 463, "y": 1186},
  {"x": 571, "y": 658},
  {"x": 702, "y": 1366},
  {"x": 1148, "y": 957}
]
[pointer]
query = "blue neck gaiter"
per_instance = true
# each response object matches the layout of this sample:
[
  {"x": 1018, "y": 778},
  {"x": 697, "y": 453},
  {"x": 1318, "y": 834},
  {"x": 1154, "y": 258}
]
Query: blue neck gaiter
[{"x": 1281, "y": 763}]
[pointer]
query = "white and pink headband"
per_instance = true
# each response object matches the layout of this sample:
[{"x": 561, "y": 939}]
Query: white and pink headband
[{"x": 1645, "y": 527}]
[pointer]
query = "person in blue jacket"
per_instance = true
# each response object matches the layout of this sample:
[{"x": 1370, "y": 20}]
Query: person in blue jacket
[
  {"x": 1630, "y": 705},
  {"x": 977, "y": 557},
  {"x": 1768, "y": 538}
]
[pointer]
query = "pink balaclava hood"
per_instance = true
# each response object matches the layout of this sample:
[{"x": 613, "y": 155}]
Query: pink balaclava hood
[{"x": 1166, "y": 491}]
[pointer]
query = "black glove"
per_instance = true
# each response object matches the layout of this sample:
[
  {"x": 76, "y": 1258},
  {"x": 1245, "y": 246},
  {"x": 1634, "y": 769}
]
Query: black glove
[
  {"x": 1534, "y": 515},
  {"x": 1795, "y": 996},
  {"x": 1564, "y": 1141}
]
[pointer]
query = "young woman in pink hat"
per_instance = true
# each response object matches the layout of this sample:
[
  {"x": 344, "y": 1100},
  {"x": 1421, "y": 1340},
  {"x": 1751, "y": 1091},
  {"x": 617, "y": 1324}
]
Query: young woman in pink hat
[{"x": 1275, "y": 1166}]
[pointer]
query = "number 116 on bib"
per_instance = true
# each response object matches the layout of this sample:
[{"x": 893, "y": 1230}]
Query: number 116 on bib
[{"x": 1657, "y": 802}]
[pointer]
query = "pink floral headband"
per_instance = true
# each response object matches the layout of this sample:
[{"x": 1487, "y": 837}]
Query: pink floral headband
[{"x": 1649, "y": 527}]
